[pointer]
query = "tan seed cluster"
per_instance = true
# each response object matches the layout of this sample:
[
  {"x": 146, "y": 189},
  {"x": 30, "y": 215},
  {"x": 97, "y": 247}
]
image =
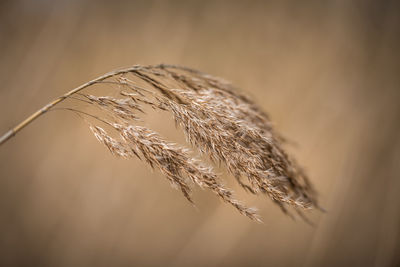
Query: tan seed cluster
[{"x": 216, "y": 118}]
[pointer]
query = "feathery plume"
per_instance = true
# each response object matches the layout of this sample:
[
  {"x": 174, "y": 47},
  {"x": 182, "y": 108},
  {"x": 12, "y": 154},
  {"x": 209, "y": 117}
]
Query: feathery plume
[{"x": 216, "y": 118}]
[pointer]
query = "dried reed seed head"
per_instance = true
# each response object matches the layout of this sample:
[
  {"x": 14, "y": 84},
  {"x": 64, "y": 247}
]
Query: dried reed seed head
[{"x": 217, "y": 120}]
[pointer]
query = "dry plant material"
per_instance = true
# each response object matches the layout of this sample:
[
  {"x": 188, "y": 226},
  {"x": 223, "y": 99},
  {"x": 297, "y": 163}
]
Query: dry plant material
[{"x": 217, "y": 120}]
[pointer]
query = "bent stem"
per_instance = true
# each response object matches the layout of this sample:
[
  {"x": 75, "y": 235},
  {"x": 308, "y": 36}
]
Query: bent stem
[{"x": 5, "y": 137}]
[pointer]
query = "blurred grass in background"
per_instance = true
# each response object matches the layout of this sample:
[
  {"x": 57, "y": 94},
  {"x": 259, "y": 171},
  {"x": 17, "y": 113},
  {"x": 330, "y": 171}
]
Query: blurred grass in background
[{"x": 326, "y": 71}]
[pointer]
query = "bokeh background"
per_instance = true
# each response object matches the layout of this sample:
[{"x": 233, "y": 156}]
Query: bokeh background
[{"x": 327, "y": 72}]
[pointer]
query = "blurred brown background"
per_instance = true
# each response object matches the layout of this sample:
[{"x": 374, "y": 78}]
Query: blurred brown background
[{"x": 326, "y": 71}]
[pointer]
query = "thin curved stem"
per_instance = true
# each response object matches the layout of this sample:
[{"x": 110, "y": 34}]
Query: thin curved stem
[{"x": 56, "y": 101}]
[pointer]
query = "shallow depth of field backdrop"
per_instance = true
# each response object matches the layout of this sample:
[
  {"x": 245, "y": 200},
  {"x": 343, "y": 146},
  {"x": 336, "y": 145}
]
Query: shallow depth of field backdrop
[{"x": 327, "y": 72}]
